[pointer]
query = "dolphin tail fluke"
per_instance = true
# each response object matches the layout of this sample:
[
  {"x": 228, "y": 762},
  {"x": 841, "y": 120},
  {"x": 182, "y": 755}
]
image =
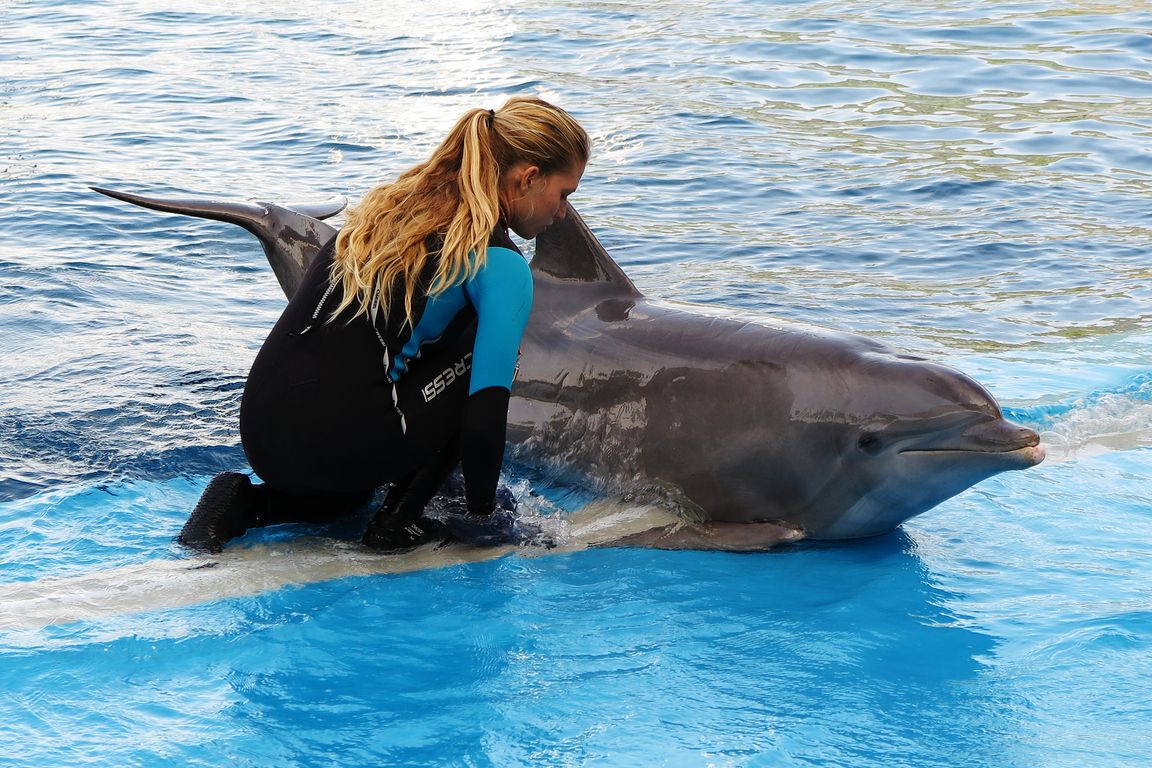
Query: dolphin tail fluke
[
  {"x": 291, "y": 235},
  {"x": 241, "y": 213}
]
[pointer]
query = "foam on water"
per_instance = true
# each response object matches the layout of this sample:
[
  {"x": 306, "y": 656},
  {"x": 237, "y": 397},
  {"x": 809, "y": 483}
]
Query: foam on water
[{"x": 1120, "y": 419}]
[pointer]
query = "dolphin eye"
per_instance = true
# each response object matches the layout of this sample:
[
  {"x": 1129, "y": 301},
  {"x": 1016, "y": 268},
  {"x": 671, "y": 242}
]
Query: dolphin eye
[{"x": 870, "y": 443}]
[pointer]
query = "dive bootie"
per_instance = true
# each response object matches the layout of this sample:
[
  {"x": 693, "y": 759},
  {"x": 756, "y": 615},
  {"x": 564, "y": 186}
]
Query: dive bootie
[
  {"x": 225, "y": 511},
  {"x": 393, "y": 535},
  {"x": 399, "y": 524}
]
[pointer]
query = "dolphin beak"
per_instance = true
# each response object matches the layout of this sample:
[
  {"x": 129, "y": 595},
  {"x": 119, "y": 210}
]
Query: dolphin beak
[
  {"x": 1015, "y": 446},
  {"x": 1001, "y": 435}
]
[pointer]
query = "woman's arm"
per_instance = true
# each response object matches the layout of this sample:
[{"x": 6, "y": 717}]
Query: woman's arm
[{"x": 501, "y": 293}]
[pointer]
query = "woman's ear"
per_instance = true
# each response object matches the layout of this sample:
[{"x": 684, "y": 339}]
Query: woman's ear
[
  {"x": 519, "y": 180},
  {"x": 530, "y": 176}
]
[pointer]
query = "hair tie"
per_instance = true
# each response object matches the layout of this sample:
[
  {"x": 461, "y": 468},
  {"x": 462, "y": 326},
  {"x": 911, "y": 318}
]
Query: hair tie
[{"x": 491, "y": 114}]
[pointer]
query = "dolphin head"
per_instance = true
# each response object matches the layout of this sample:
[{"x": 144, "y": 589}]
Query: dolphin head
[
  {"x": 831, "y": 434},
  {"x": 907, "y": 434}
]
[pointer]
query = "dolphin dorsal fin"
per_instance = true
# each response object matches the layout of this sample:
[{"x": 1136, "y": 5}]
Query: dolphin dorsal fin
[
  {"x": 569, "y": 251},
  {"x": 291, "y": 235}
]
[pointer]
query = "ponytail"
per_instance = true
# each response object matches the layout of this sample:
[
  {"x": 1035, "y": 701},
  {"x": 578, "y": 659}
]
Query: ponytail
[{"x": 454, "y": 195}]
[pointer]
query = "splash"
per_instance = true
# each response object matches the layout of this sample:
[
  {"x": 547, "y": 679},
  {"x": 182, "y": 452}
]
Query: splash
[{"x": 1114, "y": 419}]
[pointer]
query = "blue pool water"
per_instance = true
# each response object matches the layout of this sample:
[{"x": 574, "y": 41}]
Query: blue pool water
[{"x": 967, "y": 181}]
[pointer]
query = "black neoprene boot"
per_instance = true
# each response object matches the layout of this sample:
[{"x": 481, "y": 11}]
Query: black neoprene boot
[
  {"x": 231, "y": 505},
  {"x": 226, "y": 509},
  {"x": 393, "y": 535},
  {"x": 398, "y": 526}
]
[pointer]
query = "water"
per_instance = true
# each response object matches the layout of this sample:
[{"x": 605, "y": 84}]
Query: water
[{"x": 968, "y": 181}]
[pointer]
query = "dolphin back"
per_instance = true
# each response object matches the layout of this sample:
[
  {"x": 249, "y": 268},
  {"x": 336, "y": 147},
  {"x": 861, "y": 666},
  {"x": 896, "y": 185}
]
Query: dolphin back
[{"x": 291, "y": 235}]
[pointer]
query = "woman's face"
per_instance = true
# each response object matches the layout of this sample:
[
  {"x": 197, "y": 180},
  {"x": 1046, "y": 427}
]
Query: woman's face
[{"x": 536, "y": 199}]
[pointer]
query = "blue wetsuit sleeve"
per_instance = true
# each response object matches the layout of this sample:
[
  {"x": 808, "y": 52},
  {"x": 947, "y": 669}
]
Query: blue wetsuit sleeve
[{"x": 501, "y": 293}]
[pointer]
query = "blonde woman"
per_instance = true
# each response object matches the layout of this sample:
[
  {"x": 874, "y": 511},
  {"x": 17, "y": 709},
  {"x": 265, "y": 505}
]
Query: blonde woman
[{"x": 393, "y": 362}]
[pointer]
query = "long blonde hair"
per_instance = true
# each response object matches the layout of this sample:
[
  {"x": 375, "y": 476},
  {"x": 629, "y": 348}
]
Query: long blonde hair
[{"x": 456, "y": 196}]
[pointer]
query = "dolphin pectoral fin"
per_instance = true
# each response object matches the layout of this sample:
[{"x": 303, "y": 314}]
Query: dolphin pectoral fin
[{"x": 724, "y": 537}]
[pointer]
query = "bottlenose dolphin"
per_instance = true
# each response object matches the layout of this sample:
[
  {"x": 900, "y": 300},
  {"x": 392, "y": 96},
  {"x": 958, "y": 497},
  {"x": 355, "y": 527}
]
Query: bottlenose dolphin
[{"x": 760, "y": 431}]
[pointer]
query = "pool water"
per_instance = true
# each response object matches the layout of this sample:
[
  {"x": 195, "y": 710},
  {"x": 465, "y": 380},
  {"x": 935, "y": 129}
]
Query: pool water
[{"x": 965, "y": 181}]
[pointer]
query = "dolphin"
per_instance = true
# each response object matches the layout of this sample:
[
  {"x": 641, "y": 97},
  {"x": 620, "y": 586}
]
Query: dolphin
[
  {"x": 758, "y": 431},
  {"x": 744, "y": 419}
]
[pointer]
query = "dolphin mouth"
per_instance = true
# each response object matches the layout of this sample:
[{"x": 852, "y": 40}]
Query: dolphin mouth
[
  {"x": 1027, "y": 456},
  {"x": 999, "y": 438}
]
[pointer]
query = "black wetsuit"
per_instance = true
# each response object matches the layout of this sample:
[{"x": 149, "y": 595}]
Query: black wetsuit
[{"x": 339, "y": 408}]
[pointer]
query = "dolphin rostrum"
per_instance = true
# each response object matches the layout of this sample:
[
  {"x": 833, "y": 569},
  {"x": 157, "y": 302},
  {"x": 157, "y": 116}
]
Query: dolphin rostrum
[{"x": 761, "y": 431}]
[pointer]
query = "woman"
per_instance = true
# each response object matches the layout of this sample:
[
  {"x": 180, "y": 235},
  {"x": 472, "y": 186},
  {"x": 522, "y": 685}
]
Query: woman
[{"x": 394, "y": 361}]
